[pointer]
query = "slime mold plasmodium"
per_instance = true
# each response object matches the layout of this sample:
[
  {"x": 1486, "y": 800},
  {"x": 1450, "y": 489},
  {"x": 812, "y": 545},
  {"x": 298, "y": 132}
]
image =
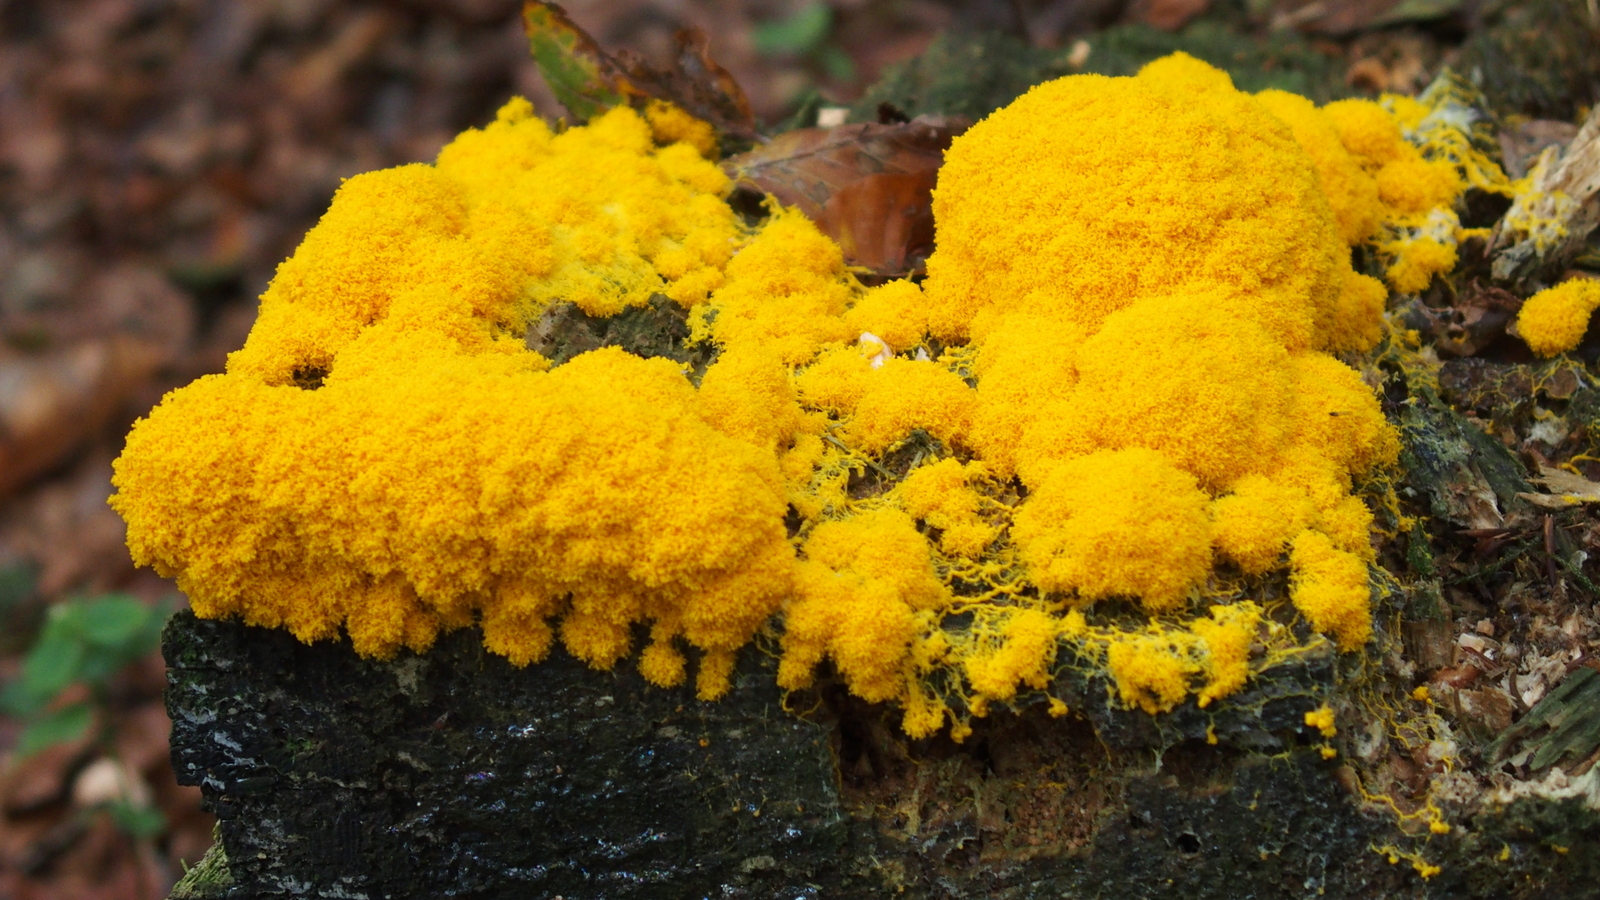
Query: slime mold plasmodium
[
  {"x": 1555, "y": 319},
  {"x": 1103, "y": 422}
]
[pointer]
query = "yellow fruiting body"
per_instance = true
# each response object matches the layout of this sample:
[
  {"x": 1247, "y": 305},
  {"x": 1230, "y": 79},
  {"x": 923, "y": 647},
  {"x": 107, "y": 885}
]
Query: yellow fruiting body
[
  {"x": 1115, "y": 377},
  {"x": 1393, "y": 171},
  {"x": 1228, "y": 635},
  {"x": 672, "y": 124},
  {"x": 1253, "y": 525},
  {"x": 1351, "y": 192},
  {"x": 1331, "y": 588},
  {"x": 857, "y": 595},
  {"x": 1554, "y": 320},
  {"x": 1205, "y": 389},
  {"x": 1321, "y": 719},
  {"x": 1151, "y": 671},
  {"x": 942, "y": 496},
  {"x": 908, "y": 394},
  {"x": 894, "y": 311},
  {"x": 1025, "y": 366},
  {"x": 1107, "y": 213},
  {"x": 1087, "y": 529}
]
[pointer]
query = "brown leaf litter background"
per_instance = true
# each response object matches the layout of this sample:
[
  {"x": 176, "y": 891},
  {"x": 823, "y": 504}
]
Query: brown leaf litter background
[{"x": 158, "y": 158}]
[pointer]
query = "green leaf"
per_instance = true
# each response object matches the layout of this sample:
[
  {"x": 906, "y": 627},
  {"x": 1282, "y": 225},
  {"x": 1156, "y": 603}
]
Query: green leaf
[
  {"x": 797, "y": 35},
  {"x": 53, "y": 663},
  {"x": 140, "y": 821},
  {"x": 14, "y": 701},
  {"x": 60, "y": 727},
  {"x": 115, "y": 620},
  {"x": 836, "y": 63},
  {"x": 128, "y": 631},
  {"x": 148, "y": 640},
  {"x": 65, "y": 619},
  {"x": 16, "y": 586},
  {"x": 579, "y": 73}
]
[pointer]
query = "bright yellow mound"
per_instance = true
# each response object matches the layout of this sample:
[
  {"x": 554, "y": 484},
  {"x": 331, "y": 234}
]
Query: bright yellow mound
[
  {"x": 1555, "y": 319},
  {"x": 1111, "y": 401},
  {"x": 1150, "y": 192}
]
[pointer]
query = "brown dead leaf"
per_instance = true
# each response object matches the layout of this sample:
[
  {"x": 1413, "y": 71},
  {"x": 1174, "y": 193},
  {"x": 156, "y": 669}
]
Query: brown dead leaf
[
  {"x": 867, "y": 186},
  {"x": 49, "y": 404},
  {"x": 1561, "y": 384},
  {"x": 1477, "y": 319},
  {"x": 1566, "y": 489},
  {"x": 588, "y": 81},
  {"x": 1167, "y": 15},
  {"x": 697, "y": 83},
  {"x": 1521, "y": 144}
]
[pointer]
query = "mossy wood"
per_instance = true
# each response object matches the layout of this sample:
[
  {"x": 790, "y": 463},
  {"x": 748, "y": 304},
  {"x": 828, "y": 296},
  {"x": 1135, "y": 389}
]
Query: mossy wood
[{"x": 454, "y": 775}]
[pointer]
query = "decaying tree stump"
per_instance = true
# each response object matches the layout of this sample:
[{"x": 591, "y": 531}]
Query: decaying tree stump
[{"x": 454, "y": 774}]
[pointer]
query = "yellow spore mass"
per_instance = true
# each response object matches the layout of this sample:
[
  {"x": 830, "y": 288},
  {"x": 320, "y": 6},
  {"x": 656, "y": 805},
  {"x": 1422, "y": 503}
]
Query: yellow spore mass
[
  {"x": 1087, "y": 529},
  {"x": 1351, "y": 192},
  {"x": 1321, "y": 719},
  {"x": 1121, "y": 208},
  {"x": 1111, "y": 399},
  {"x": 1555, "y": 319},
  {"x": 1393, "y": 172},
  {"x": 942, "y": 496}
]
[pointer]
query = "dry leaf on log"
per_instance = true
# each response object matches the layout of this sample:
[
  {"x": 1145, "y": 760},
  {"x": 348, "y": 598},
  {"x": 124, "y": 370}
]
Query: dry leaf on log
[
  {"x": 1549, "y": 224},
  {"x": 1477, "y": 319},
  {"x": 588, "y": 81},
  {"x": 868, "y": 186},
  {"x": 697, "y": 83},
  {"x": 1566, "y": 489}
]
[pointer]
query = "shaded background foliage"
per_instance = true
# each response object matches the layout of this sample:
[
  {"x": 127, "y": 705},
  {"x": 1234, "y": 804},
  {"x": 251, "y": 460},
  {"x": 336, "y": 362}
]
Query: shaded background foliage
[{"x": 158, "y": 158}]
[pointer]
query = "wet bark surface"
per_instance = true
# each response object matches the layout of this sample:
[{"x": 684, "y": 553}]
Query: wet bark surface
[{"x": 455, "y": 775}]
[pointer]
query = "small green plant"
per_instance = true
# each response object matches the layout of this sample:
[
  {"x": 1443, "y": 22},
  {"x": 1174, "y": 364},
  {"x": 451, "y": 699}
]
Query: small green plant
[
  {"x": 84, "y": 641},
  {"x": 805, "y": 35}
]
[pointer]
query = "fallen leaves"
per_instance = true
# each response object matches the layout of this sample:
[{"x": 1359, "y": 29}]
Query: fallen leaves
[
  {"x": 1322, "y": 17},
  {"x": 1167, "y": 15},
  {"x": 868, "y": 186},
  {"x": 1476, "y": 319},
  {"x": 50, "y": 404},
  {"x": 588, "y": 81},
  {"x": 583, "y": 77},
  {"x": 1565, "y": 489}
]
